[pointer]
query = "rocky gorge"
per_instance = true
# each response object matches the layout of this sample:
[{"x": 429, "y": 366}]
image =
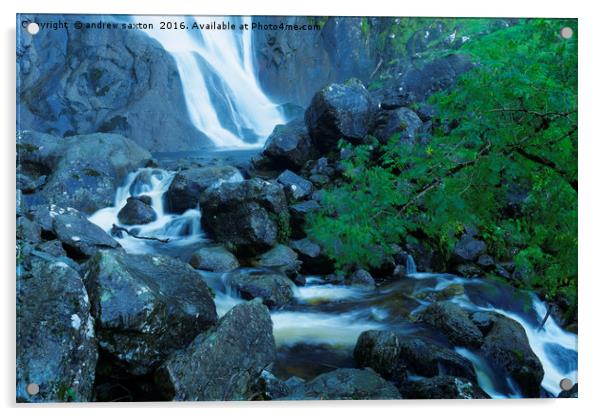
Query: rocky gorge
[{"x": 153, "y": 265}]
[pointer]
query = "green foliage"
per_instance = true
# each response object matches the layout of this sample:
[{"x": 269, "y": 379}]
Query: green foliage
[{"x": 502, "y": 159}]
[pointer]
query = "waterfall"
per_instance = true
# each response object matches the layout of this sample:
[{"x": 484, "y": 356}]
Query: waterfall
[
  {"x": 410, "y": 265},
  {"x": 224, "y": 99}
]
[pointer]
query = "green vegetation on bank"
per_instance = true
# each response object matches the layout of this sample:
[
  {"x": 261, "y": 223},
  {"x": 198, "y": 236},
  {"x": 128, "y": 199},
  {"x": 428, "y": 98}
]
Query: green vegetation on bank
[{"x": 502, "y": 159}]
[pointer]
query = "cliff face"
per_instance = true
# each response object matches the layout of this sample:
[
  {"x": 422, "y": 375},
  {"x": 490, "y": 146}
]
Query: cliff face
[{"x": 72, "y": 82}]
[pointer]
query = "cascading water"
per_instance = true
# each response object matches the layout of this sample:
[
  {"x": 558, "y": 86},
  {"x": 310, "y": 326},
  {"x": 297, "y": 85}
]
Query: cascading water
[{"x": 224, "y": 99}]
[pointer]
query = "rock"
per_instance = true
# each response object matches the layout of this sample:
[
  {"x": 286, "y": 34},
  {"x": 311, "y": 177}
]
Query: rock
[
  {"x": 29, "y": 185},
  {"x": 224, "y": 363},
  {"x": 298, "y": 213},
  {"x": 486, "y": 262},
  {"x": 507, "y": 348},
  {"x": 28, "y": 230},
  {"x": 360, "y": 277},
  {"x": 136, "y": 211},
  {"x": 77, "y": 177},
  {"x": 146, "y": 306},
  {"x": 275, "y": 290},
  {"x": 294, "y": 185},
  {"x": 282, "y": 258},
  {"x": 251, "y": 215},
  {"x": 288, "y": 147},
  {"x": 468, "y": 249},
  {"x": 453, "y": 322},
  {"x": 81, "y": 237},
  {"x": 56, "y": 347},
  {"x": 53, "y": 248},
  {"x": 429, "y": 360},
  {"x": 378, "y": 350},
  {"x": 310, "y": 254},
  {"x": 274, "y": 387},
  {"x": 109, "y": 81},
  {"x": 483, "y": 321},
  {"x": 214, "y": 259},
  {"x": 446, "y": 293},
  {"x": 339, "y": 111},
  {"x": 468, "y": 270},
  {"x": 402, "y": 121},
  {"x": 573, "y": 393},
  {"x": 347, "y": 384},
  {"x": 443, "y": 387},
  {"x": 188, "y": 185}
]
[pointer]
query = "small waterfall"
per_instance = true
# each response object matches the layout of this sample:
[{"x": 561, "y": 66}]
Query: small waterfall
[
  {"x": 410, "y": 265},
  {"x": 223, "y": 96}
]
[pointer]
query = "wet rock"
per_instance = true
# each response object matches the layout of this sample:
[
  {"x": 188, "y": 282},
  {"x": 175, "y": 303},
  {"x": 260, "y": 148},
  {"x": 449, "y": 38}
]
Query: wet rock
[
  {"x": 294, "y": 185},
  {"x": 214, "y": 259},
  {"x": 506, "y": 347},
  {"x": 486, "y": 261},
  {"x": 77, "y": 177},
  {"x": 444, "y": 294},
  {"x": 468, "y": 270},
  {"x": 53, "y": 248},
  {"x": 468, "y": 249},
  {"x": 28, "y": 230},
  {"x": 339, "y": 111},
  {"x": 275, "y": 290},
  {"x": 429, "y": 360},
  {"x": 251, "y": 215},
  {"x": 288, "y": 147},
  {"x": 347, "y": 384},
  {"x": 81, "y": 237},
  {"x": 443, "y": 387},
  {"x": 453, "y": 322},
  {"x": 573, "y": 393},
  {"x": 136, "y": 211},
  {"x": 56, "y": 347},
  {"x": 282, "y": 258},
  {"x": 224, "y": 363},
  {"x": 402, "y": 121},
  {"x": 360, "y": 277},
  {"x": 298, "y": 213},
  {"x": 28, "y": 185},
  {"x": 378, "y": 350},
  {"x": 312, "y": 258},
  {"x": 146, "y": 306},
  {"x": 188, "y": 185},
  {"x": 274, "y": 387},
  {"x": 483, "y": 321}
]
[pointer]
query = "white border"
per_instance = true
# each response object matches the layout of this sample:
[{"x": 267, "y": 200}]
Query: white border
[{"x": 590, "y": 209}]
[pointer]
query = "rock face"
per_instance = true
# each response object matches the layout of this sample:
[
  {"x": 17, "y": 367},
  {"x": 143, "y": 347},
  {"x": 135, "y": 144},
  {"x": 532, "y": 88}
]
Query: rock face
[
  {"x": 507, "y": 347},
  {"x": 224, "y": 363},
  {"x": 56, "y": 347},
  {"x": 248, "y": 215},
  {"x": 282, "y": 258},
  {"x": 275, "y": 290},
  {"x": 187, "y": 186},
  {"x": 288, "y": 147},
  {"x": 214, "y": 259},
  {"x": 378, "y": 350},
  {"x": 111, "y": 81},
  {"x": 77, "y": 177},
  {"x": 339, "y": 111},
  {"x": 453, "y": 322},
  {"x": 347, "y": 384},
  {"x": 443, "y": 387},
  {"x": 146, "y": 306},
  {"x": 136, "y": 211}
]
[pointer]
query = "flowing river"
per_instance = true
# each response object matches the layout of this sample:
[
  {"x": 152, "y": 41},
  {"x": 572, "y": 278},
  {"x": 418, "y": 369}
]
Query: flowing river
[{"x": 318, "y": 332}]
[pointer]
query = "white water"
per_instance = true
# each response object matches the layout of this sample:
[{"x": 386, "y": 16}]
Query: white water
[
  {"x": 181, "y": 229},
  {"x": 223, "y": 96}
]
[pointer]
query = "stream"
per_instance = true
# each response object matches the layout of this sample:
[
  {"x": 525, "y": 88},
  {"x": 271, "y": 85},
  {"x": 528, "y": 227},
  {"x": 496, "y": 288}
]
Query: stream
[{"x": 317, "y": 333}]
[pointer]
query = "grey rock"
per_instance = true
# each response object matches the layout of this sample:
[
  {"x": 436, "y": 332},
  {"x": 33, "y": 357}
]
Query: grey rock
[
  {"x": 443, "y": 387},
  {"x": 453, "y": 322},
  {"x": 224, "y": 363},
  {"x": 80, "y": 235},
  {"x": 312, "y": 258},
  {"x": 378, "y": 350},
  {"x": 214, "y": 259},
  {"x": 294, "y": 185},
  {"x": 280, "y": 257},
  {"x": 360, "y": 277},
  {"x": 402, "y": 121},
  {"x": 275, "y": 290},
  {"x": 136, "y": 211},
  {"x": 469, "y": 248}
]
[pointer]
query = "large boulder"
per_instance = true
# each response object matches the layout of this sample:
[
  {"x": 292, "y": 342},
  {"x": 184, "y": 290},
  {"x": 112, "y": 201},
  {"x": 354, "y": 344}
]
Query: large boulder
[
  {"x": 401, "y": 121},
  {"x": 453, "y": 322},
  {"x": 443, "y": 387},
  {"x": 429, "y": 360},
  {"x": 76, "y": 176},
  {"x": 274, "y": 289},
  {"x": 469, "y": 249},
  {"x": 280, "y": 257},
  {"x": 146, "y": 306},
  {"x": 225, "y": 363},
  {"x": 360, "y": 277},
  {"x": 507, "y": 348},
  {"x": 214, "y": 259},
  {"x": 378, "y": 350},
  {"x": 111, "y": 81},
  {"x": 251, "y": 215},
  {"x": 136, "y": 211},
  {"x": 187, "y": 186},
  {"x": 288, "y": 147},
  {"x": 347, "y": 384},
  {"x": 56, "y": 346},
  {"x": 339, "y": 111}
]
